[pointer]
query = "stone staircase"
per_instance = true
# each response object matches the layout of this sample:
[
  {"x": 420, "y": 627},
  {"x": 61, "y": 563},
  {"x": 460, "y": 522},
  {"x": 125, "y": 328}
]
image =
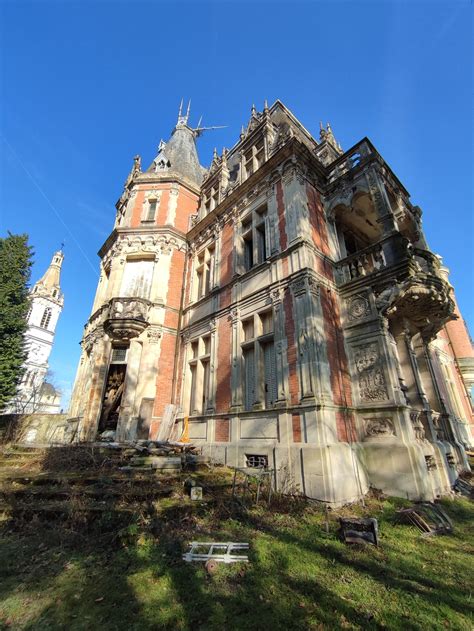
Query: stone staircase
[{"x": 56, "y": 482}]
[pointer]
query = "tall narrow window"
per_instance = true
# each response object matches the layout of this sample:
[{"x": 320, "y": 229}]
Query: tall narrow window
[
  {"x": 151, "y": 210},
  {"x": 150, "y": 207},
  {"x": 259, "y": 362},
  {"x": 46, "y": 319},
  {"x": 204, "y": 278},
  {"x": 269, "y": 374},
  {"x": 200, "y": 375},
  {"x": 254, "y": 235}
]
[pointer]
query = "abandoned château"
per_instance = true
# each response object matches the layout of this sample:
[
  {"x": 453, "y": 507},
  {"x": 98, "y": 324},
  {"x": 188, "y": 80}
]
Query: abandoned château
[{"x": 286, "y": 302}]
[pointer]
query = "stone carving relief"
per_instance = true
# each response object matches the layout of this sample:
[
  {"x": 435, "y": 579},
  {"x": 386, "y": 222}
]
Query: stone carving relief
[
  {"x": 358, "y": 307},
  {"x": 418, "y": 426},
  {"x": 154, "y": 334},
  {"x": 379, "y": 428},
  {"x": 371, "y": 379}
]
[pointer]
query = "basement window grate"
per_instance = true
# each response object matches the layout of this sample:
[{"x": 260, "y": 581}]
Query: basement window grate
[{"x": 256, "y": 461}]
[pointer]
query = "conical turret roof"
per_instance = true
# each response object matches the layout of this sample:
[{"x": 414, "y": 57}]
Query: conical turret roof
[{"x": 179, "y": 155}]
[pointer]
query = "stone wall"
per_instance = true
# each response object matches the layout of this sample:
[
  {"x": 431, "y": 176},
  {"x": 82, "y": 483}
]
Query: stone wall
[{"x": 31, "y": 428}]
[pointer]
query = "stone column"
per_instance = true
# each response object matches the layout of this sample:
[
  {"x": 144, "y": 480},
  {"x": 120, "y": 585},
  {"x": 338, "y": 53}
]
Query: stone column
[
  {"x": 272, "y": 216},
  {"x": 236, "y": 371},
  {"x": 394, "y": 244},
  {"x": 99, "y": 359},
  {"x": 126, "y": 426},
  {"x": 281, "y": 348},
  {"x": 211, "y": 401}
]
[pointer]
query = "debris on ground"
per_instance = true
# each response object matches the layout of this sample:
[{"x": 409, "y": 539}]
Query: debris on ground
[
  {"x": 251, "y": 482},
  {"x": 463, "y": 487},
  {"x": 358, "y": 530},
  {"x": 429, "y": 518},
  {"x": 214, "y": 552}
]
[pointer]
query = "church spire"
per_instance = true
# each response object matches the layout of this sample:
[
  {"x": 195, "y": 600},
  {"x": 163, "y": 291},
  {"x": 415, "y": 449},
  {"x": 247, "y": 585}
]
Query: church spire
[{"x": 49, "y": 283}]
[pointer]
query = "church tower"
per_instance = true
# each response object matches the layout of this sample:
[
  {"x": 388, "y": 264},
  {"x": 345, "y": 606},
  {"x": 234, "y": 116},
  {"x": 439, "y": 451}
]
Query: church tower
[
  {"x": 126, "y": 372},
  {"x": 34, "y": 393}
]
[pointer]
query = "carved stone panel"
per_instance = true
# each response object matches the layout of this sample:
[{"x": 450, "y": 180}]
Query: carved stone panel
[
  {"x": 358, "y": 307},
  {"x": 378, "y": 428},
  {"x": 368, "y": 362}
]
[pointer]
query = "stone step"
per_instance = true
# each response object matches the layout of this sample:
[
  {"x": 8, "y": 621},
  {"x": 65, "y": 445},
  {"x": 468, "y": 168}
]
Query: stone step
[
  {"x": 157, "y": 462},
  {"x": 26, "y": 493},
  {"x": 63, "y": 507},
  {"x": 129, "y": 475}
]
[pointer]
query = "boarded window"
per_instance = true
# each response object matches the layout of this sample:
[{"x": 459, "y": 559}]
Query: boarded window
[
  {"x": 137, "y": 277},
  {"x": 249, "y": 367},
  {"x": 270, "y": 374}
]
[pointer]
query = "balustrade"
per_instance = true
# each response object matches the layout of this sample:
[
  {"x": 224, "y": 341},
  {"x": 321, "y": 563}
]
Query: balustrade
[{"x": 362, "y": 263}]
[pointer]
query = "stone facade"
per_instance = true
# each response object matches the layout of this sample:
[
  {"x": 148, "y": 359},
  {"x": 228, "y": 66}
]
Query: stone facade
[{"x": 285, "y": 300}]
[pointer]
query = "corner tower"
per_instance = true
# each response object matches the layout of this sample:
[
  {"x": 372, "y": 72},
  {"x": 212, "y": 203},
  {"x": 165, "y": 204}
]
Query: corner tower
[{"x": 126, "y": 373}]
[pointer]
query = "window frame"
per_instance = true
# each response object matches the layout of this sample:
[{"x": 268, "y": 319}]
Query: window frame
[{"x": 257, "y": 333}]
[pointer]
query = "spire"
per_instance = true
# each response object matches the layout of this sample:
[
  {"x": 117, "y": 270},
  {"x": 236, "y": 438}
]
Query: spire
[
  {"x": 179, "y": 155},
  {"x": 49, "y": 283},
  {"x": 183, "y": 120}
]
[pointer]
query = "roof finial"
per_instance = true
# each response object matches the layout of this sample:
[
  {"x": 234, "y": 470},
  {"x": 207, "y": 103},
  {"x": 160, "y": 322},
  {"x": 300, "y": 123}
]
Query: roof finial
[
  {"x": 215, "y": 155},
  {"x": 188, "y": 110},
  {"x": 265, "y": 106},
  {"x": 180, "y": 109},
  {"x": 254, "y": 110}
]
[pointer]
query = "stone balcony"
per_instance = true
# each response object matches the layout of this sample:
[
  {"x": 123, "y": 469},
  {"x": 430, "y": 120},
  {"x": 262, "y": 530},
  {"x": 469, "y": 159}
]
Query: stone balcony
[
  {"x": 122, "y": 318},
  {"x": 406, "y": 285}
]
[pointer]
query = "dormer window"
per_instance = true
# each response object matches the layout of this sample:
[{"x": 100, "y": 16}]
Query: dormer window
[
  {"x": 254, "y": 158},
  {"x": 211, "y": 200},
  {"x": 46, "y": 318}
]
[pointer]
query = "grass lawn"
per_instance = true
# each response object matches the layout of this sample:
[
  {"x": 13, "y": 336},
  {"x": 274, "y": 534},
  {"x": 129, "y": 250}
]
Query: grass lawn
[{"x": 299, "y": 575}]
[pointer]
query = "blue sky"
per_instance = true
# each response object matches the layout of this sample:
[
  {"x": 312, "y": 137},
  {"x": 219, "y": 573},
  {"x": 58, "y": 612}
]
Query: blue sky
[{"x": 85, "y": 86}]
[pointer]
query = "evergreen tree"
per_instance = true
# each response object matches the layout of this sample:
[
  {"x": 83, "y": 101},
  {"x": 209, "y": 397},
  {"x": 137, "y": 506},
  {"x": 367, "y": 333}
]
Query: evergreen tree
[{"x": 15, "y": 270}]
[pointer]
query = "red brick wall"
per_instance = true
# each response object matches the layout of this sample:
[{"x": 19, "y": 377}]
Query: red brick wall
[
  {"x": 163, "y": 207},
  {"x": 319, "y": 231},
  {"x": 296, "y": 426},
  {"x": 176, "y": 280},
  {"x": 164, "y": 379},
  {"x": 137, "y": 210},
  {"x": 281, "y": 216},
  {"x": 345, "y": 423},
  {"x": 338, "y": 365},
  {"x": 227, "y": 250},
  {"x": 222, "y": 430},
  {"x": 458, "y": 335},
  {"x": 292, "y": 354},
  {"x": 188, "y": 204},
  {"x": 223, "y": 393}
]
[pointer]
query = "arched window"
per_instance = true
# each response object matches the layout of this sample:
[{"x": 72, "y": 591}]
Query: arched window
[{"x": 45, "y": 320}]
